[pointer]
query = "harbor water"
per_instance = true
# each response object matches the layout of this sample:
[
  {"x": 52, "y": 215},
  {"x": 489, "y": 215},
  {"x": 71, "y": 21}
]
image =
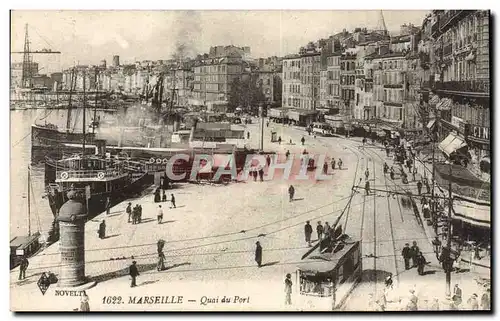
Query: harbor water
[{"x": 20, "y": 155}]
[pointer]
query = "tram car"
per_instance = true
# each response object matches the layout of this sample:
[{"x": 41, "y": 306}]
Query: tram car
[{"x": 325, "y": 279}]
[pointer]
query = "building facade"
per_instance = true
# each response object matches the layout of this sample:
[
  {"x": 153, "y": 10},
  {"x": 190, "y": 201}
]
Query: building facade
[
  {"x": 310, "y": 67},
  {"x": 213, "y": 78},
  {"x": 462, "y": 79},
  {"x": 347, "y": 83},
  {"x": 291, "y": 79}
]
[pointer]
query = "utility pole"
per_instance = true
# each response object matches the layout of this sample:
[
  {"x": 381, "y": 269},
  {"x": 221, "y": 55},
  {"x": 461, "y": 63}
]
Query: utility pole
[
  {"x": 448, "y": 237},
  {"x": 261, "y": 121}
]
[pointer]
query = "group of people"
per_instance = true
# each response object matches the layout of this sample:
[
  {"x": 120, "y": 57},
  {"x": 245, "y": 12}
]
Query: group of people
[
  {"x": 134, "y": 214},
  {"x": 257, "y": 171},
  {"x": 163, "y": 198},
  {"x": 415, "y": 255}
]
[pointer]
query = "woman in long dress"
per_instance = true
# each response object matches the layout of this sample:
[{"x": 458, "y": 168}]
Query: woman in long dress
[{"x": 84, "y": 303}]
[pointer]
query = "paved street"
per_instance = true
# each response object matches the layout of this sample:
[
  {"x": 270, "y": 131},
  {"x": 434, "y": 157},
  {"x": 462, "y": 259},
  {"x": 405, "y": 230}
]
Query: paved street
[{"x": 211, "y": 236}]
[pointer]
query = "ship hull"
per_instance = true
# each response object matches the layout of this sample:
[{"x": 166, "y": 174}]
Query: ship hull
[
  {"x": 50, "y": 142},
  {"x": 123, "y": 188}
]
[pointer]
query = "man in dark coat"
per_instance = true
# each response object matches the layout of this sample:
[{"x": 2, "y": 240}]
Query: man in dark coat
[
  {"x": 288, "y": 289},
  {"x": 108, "y": 205},
  {"x": 258, "y": 253},
  {"x": 319, "y": 230},
  {"x": 291, "y": 192},
  {"x": 129, "y": 211},
  {"x": 172, "y": 200},
  {"x": 414, "y": 253},
  {"x": 268, "y": 160},
  {"x": 406, "y": 253},
  {"x": 261, "y": 174},
  {"x": 140, "y": 213},
  {"x": 135, "y": 214},
  {"x": 23, "y": 267},
  {"x": 303, "y": 140},
  {"x": 308, "y": 232},
  {"x": 133, "y": 272},
  {"x": 457, "y": 295},
  {"x": 325, "y": 168},
  {"x": 419, "y": 187},
  {"x": 421, "y": 261},
  {"x": 102, "y": 230}
]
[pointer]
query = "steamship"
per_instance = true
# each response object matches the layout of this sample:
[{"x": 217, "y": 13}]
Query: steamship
[{"x": 95, "y": 178}]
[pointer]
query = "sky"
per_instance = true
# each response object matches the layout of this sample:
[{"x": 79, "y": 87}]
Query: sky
[{"x": 87, "y": 37}]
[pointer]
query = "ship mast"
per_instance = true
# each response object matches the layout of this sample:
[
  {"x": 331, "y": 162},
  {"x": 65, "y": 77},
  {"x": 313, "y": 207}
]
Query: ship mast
[
  {"x": 84, "y": 103},
  {"x": 29, "y": 201},
  {"x": 71, "y": 85},
  {"x": 94, "y": 123}
]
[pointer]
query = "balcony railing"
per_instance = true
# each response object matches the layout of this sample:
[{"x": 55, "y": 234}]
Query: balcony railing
[
  {"x": 471, "y": 86},
  {"x": 448, "y": 17},
  {"x": 88, "y": 174}
]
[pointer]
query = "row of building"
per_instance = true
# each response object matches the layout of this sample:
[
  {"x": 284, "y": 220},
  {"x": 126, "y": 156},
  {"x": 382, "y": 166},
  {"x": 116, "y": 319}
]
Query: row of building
[{"x": 199, "y": 81}]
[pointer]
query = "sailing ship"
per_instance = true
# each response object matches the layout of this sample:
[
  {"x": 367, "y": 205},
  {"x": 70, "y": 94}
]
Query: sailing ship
[{"x": 98, "y": 179}]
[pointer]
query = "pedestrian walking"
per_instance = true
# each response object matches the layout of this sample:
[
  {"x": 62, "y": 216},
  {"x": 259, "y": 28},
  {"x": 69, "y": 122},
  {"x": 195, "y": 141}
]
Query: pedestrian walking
[
  {"x": 392, "y": 173},
  {"x": 308, "y": 232},
  {"x": 367, "y": 174},
  {"x": 23, "y": 267},
  {"x": 288, "y": 289},
  {"x": 140, "y": 213},
  {"x": 319, "y": 230},
  {"x": 414, "y": 253},
  {"x": 326, "y": 230},
  {"x": 406, "y": 253},
  {"x": 268, "y": 160},
  {"x": 389, "y": 282},
  {"x": 129, "y": 212},
  {"x": 472, "y": 302},
  {"x": 287, "y": 154},
  {"x": 160, "y": 214},
  {"x": 367, "y": 187},
  {"x": 279, "y": 140},
  {"x": 427, "y": 187},
  {"x": 386, "y": 168},
  {"x": 291, "y": 192},
  {"x": 108, "y": 205},
  {"x": 258, "y": 254},
  {"x": 302, "y": 140},
  {"x": 161, "y": 261},
  {"x": 412, "y": 301},
  {"x": 102, "y": 230},
  {"x": 248, "y": 135},
  {"x": 419, "y": 187},
  {"x": 84, "y": 303},
  {"x": 172, "y": 201},
  {"x": 333, "y": 163},
  {"x": 325, "y": 168},
  {"x": 164, "y": 197},
  {"x": 157, "y": 198},
  {"x": 261, "y": 174},
  {"x": 134, "y": 273},
  {"x": 457, "y": 295},
  {"x": 340, "y": 163},
  {"x": 254, "y": 173},
  {"x": 485, "y": 299},
  {"x": 426, "y": 209},
  {"x": 436, "y": 243},
  {"x": 421, "y": 262}
]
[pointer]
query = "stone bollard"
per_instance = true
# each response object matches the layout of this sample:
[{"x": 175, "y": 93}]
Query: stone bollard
[{"x": 71, "y": 219}]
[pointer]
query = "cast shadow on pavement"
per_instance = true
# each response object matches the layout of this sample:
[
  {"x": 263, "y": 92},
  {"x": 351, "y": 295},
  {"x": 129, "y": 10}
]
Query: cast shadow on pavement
[
  {"x": 110, "y": 236},
  {"x": 175, "y": 265},
  {"x": 147, "y": 282},
  {"x": 165, "y": 222},
  {"x": 123, "y": 272},
  {"x": 270, "y": 263},
  {"x": 374, "y": 275}
]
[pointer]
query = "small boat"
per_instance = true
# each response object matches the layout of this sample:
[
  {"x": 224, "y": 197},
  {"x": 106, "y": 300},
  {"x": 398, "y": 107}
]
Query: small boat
[{"x": 27, "y": 245}]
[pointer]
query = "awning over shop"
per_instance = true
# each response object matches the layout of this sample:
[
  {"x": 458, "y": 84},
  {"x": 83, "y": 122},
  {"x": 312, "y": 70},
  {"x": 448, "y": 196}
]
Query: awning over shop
[
  {"x": 444, "y": 104},
  {"x": 451, "y": 144},
  {"x": 469, "y": 212},
  {"x": 295, "y": 114},
  {"x": 434, "y": 100},
  {"x": 431, "y": 123}
]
